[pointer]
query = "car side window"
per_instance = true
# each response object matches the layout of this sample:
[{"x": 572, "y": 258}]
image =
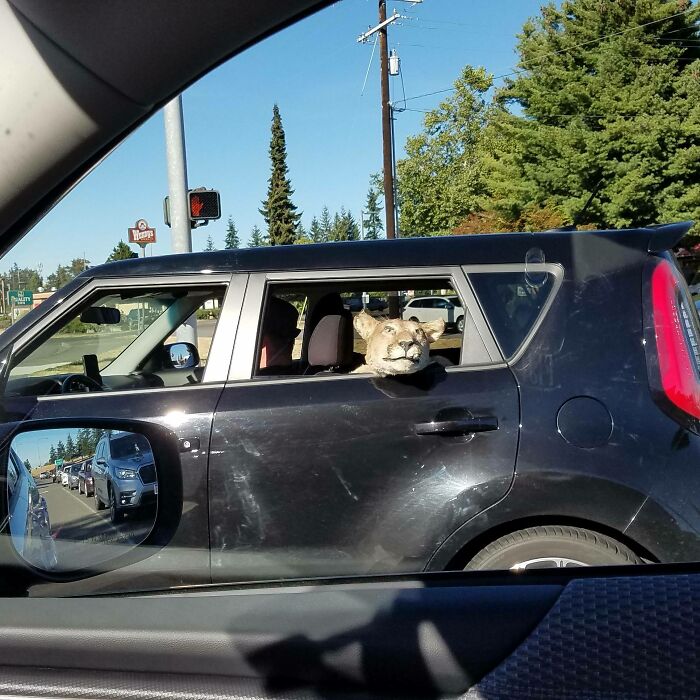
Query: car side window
[
  {"x": 309, "y": 329},
  {"x": 512, "y": 304},
  {"x": 118, "y": 340},
  {"x": 12, "y": 477}
]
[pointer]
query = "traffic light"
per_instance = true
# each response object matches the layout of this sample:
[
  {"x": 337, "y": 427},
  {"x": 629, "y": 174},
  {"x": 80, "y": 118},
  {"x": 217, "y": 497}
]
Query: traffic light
[{"x": 204, "y": 205}]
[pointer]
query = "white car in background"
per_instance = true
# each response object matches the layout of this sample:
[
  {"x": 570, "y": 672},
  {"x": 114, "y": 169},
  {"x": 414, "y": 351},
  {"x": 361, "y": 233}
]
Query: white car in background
[{"x": 424, "y": 309}]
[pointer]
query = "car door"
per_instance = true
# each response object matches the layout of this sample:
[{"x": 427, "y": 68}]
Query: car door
[
  {"x": 330, "y": 474},
  {"x": 186, "y": 410}
]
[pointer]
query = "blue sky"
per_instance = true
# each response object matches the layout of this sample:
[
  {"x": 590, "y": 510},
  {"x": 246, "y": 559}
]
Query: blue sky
[
  {"x": 35, "y": 445},
  {"x": 314, "y": 71}
]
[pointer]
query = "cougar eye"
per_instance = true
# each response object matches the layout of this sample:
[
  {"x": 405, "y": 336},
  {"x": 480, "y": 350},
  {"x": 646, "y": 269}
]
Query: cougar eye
[{"x": 388, "y": 329}]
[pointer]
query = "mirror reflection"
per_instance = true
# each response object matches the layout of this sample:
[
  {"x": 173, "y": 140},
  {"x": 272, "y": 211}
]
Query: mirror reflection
[{"x": 79, "y": 496}]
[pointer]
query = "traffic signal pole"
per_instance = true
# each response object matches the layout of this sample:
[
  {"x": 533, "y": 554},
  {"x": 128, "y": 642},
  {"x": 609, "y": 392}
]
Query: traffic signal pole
[{"x": 180, "y": 228}]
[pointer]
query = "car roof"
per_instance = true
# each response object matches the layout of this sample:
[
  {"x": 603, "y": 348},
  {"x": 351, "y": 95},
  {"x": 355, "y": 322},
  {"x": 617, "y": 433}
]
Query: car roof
[{"x": 405, "y": 252}]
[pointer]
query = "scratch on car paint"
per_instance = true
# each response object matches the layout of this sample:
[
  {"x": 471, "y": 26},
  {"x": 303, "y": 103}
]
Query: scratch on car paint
[{"x": 344, "y": 483}]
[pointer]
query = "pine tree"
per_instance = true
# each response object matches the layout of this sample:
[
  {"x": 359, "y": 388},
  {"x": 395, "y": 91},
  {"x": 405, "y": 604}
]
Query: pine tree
[
  {"x": 232, "y": 240},
  {"x": 373, "y": 222},
  {"x": 614, "y": 101},
  {"x": 70, "y": 446},
  {"x": 60, "y": 450},
  {"x": 280, "y": 214},
  {"x": 315, "y": 232},
  {"x": 325, "y": 225},
  {"x": 257, "y": 239},
  {"x": 28, "y": 465},
  {"x": 52, "y": 454},
  {"x": 121, "y": 251},
  {"x": 210, "y": 244}
]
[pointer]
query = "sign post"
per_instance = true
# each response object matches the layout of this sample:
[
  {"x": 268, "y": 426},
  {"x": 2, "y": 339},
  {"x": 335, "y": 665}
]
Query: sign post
[{"x": 142, "y": 234}]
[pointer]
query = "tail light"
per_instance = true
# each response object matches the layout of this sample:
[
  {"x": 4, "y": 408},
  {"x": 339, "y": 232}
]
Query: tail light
[{"x": 672, "y": 343}]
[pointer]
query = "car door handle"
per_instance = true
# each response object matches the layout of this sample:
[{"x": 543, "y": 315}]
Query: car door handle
[{"x": 461, "y": 426}]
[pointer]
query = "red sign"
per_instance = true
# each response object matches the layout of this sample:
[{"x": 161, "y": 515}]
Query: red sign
[{"x": 141, "y": 233}]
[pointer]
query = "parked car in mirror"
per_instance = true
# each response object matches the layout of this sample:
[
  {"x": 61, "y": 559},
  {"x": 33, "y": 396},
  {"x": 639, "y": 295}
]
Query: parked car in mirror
[{"x": 425, "y": 309}]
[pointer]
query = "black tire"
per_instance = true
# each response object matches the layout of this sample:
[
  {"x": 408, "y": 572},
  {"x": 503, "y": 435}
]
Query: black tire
[
  {"x": 116, "y": 514},
  {"x": 98, "y": 503},
  {"x": 552, "y": 546},
  {"x": 460, "y": 324},
  {"x": 414, "y": 319}
]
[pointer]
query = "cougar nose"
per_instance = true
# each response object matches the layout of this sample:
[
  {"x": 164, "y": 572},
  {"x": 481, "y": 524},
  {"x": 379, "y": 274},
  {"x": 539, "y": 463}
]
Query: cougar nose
[{"x": 405, "y": 344}]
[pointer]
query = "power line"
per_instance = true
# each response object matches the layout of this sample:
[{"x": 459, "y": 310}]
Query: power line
[{"x": 569, "y": 50}]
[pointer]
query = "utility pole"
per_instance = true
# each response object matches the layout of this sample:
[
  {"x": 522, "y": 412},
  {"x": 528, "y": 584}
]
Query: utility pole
[
  {"x": 180, "y": 228},
  {"x": 390, "y": 214}
]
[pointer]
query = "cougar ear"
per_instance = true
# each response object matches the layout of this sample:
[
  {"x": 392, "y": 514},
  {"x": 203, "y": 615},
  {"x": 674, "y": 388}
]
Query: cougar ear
[
  {"x": 364, "y": 325},
  {"x": 433, "y": 330}
]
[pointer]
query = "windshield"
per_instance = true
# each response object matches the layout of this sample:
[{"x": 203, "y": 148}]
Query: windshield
[
  {"x": 423, "y": 297},
  {"x": 129, "y": 446}
]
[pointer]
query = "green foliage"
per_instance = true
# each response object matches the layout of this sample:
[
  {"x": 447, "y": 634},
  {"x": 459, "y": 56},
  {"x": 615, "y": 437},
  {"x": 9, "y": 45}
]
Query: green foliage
[
  {"x": 315, "y": 232},
  {"x": 23, "y": 278},
  {"x": 60, "y": 450},
  {"x": 325, "y": 225},
  {"x": 373, "y": 225},
  {"x": 121, "y": 251},
  {"x": 208, "y": 313},
  {"x": 344, "y": 227},
  {"x": 52, "y": 454},
  {"x": 70, "y": 446},
  {"x": 441, "y": 181},
  {"x": 257, "y": 239},
  {"x": 624, "y": 110},
  {"x": 210, "y": 244},
  {"x": 232, "y": 239},
  {"x": 278, "y": 211}
]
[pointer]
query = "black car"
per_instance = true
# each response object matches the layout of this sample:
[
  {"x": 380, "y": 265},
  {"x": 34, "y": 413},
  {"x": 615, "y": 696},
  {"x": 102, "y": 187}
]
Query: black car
[{"x": 559, "y": 429}]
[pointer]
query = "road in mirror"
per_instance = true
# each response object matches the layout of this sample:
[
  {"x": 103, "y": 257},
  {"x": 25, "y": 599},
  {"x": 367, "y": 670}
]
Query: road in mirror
[{"x": 81, "y": 496}]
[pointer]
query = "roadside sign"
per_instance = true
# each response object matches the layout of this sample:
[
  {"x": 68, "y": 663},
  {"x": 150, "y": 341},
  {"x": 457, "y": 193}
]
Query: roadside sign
[
  {"x": 59, "y": 462},
  {"x": 142, "y": 233},
  {"x": 20, "y": 297}
]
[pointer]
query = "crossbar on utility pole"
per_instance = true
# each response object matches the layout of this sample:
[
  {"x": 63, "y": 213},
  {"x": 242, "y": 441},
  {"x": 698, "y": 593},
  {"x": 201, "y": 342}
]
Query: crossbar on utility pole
[{"x": 383, "y": 23}]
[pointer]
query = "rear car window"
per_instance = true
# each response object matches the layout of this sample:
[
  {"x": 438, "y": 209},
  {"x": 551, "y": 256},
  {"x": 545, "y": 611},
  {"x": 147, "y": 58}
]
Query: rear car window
[{"x": 512, "y": 303}]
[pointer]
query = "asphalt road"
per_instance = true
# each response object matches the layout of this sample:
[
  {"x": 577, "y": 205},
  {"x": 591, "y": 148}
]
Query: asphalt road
[
  {"x": 75, "y": 519},
  {"x": 69, "y": 349}
]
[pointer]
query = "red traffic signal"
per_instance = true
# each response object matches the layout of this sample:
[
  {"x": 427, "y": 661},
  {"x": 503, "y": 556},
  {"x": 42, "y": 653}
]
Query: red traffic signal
[{"x": 204, "y": 205}]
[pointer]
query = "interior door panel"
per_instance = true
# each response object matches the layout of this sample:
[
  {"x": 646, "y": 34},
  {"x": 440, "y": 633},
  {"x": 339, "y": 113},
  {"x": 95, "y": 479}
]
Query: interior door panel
[{"x": 627, "y": 636}]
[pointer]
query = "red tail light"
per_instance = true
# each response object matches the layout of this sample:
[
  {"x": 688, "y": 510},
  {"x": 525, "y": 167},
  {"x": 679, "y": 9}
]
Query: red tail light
[{"x": 673, "y": 344}]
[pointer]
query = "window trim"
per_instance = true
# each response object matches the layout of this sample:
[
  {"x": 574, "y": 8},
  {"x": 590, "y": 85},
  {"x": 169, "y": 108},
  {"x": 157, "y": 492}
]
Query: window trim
[
  {"x": 243, "y": 361},
  {"x": 555, "y": 269}
]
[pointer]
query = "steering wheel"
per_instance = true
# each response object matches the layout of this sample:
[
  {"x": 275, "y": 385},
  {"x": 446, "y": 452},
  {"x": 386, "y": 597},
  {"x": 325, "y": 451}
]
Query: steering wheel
[{"x": 79, "y": 383}]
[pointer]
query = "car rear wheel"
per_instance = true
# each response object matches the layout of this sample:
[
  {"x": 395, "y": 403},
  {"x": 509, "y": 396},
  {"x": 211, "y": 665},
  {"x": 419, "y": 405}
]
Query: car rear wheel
[
  {"x": 552, "y": 546},
  {"x": 460, "y": 324},
  {"x": 98, "y": 503},
  {"x": 116, "y": 514}
]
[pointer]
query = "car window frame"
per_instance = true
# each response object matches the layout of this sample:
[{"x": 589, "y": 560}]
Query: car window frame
[
  {"x": 244, "y": 353},
  {"x": 221, "y": 351},
  {"x": 554, "y": 269}
]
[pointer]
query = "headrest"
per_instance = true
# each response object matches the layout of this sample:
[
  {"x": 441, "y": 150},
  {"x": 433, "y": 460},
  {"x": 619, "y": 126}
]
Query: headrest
[
  {"x": 331, "y": 342},
  {"x": 280, "y": 319}
]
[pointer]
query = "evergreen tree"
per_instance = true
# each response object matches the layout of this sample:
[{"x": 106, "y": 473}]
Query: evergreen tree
[
  {"x": 210, "y": 244},
  {"x": 28, "y": 465},
  {"x": 315, "y": 232},
  {"x": 616, "y": 100},
  {"x": 256, "y": 238},
  {"x": 373, "y": 222},
  {"x": 325, "y": 225},
  {"x": 70, "y": 446},
  {"x": 232, "y": 240},
  {"x": 121, "y": 251},
  {"x": 52, "y": 454},
  {"x": 60, "y": 450},
  {"x": 280, "y": 214}
]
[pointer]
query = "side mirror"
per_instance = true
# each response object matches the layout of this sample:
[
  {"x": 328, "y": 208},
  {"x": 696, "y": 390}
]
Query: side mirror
[
  {"x": 181, "y": 355},
  {"x": 72, "y": 528},
  {"x": 101, "y": 315},
  {"x": 100, "y": 461}
]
